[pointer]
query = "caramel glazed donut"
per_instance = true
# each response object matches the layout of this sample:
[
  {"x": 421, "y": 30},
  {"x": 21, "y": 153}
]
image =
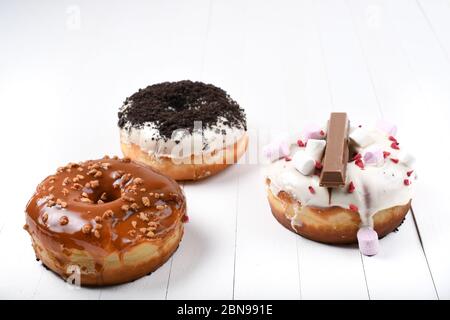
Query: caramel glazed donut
[
  {"x": 187, "y": 130},
  {"x": 110, "y": 220},
  {"x": 377, "y": 193}
]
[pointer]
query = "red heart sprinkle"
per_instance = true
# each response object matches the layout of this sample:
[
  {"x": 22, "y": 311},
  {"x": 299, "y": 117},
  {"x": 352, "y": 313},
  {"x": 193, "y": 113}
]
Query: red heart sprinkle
[
  {"x": 311, "y": 189},
  {"x": 409, "y": 173},
  {"x": 185, "y": 218},
  {"x": 351, "y": 187},
  {"x": 319, "y": 165},
  {"x": 395, "y": 146},
  {"x": 392, "y": 139},
  {"x": 359, "y": 163},
  {"x": 358, "y": 156},
  {"x": 386, "y": 154},
  {"x": 395, "y": 160},
  {"x": 300, "y": 143},
  {"x": 287, "y": 158},
  {"x": 406, "y": 182},
  {"x": 353, "y": 208},
  {"x": 322, "y": 133}
]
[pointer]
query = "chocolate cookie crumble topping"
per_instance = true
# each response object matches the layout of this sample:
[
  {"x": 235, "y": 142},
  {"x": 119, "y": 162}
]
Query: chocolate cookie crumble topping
[{"x": 177, "y": 105}]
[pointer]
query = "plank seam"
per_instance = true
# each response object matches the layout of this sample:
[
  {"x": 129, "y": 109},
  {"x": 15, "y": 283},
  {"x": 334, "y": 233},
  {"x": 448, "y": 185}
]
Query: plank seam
[
  {"x": 424, "y": 252},
  {"x": 433, "y": 30}
]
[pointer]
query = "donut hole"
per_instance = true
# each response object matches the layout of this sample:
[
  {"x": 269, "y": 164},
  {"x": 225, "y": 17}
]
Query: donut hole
[{"x": 105, "y": 195}]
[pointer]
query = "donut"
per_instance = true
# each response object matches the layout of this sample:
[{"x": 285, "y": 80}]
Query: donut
[
  {"x": 110, "y": 220},
  {"x": 187, "y": 130},
  {"x": 372, "y": 201}
]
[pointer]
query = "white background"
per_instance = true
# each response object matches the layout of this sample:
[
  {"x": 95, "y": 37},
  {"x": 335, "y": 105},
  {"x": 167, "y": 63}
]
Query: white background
[{"x": 66, "y": 67}]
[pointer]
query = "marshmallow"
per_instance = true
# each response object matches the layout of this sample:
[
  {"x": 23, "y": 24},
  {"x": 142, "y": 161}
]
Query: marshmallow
[
  {"x": 276, "y": 150},
  {"x": 368, "y": 241},
  {"x": 304, "y": 163},
  {"x": 315, "y": 148},
  {"x": 406, "y": 158},
  {"x": 387, "y": 127},
  {"x": 374, "y": 156},
  {"x": 313, "y": 131},
  {"x": 361, "y": 137}
]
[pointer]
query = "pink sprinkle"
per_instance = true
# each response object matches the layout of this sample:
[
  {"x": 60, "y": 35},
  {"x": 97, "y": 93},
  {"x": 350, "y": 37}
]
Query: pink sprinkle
[
  {"x": 300, "y": 143},
  {"x": 395, "y": 146},
  {"x": 311, "y": 189},
  {"x": 360, "y": 163},
  {"x": 406, "y": 182},
  {"x": 287, "y": 158},
  {"x": 395, "y": 160},
  {"x": 319, "y": 165},
  {"x": 354, "y": 208},
  {"x": 392, "y": 138},
  {"x": 386, "y": 154},
  {"x": 351, "y": 187},
  {"x": 409, "y": 173},
  {"x": 358, "y": 156}
]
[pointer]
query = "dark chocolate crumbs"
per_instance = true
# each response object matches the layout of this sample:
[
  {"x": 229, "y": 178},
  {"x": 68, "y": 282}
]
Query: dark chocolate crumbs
[{"x": 176, "y": 105}]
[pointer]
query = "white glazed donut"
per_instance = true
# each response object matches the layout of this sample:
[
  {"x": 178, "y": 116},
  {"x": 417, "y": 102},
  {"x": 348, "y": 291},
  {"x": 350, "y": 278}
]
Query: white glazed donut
[{"x": 377, "y": 193}]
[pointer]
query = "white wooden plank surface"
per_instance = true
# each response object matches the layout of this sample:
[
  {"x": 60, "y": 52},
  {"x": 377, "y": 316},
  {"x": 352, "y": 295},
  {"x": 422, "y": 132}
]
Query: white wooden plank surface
[{"x": 288, "y": 63}]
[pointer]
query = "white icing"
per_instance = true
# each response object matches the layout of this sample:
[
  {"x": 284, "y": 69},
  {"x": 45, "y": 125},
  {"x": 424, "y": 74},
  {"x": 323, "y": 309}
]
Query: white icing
[
  {"x": 200, "y": 142},
  {"x": 377, "y": 187}
]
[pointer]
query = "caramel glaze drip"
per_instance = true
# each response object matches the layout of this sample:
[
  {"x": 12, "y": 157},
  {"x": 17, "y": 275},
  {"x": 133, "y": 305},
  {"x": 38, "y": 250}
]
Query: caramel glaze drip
[{"x": 103, "y": 206}]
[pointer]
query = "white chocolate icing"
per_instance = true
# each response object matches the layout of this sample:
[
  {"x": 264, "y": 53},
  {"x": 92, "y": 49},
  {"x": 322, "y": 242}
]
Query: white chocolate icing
[
  {"x": 380, "y": 185},
  {"x": 182, "y": 143}
]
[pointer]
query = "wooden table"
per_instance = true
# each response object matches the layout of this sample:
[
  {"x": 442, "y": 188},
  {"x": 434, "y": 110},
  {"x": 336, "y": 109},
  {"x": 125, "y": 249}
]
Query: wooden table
[{"x": 66, "y": 67}]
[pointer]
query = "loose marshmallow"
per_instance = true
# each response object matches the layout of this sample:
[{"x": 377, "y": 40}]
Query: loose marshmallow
[
  {"x": 315, "y": 148},
  {"x": 313, "y": 131},
  {"x": 276, "y": 150},
  {"x": 374, "y": 156},
  {"x": 387, "y": 127},
  {"x": 406, "y": 158},
  {"x": 304, "y": 163},
  {"x": 368, "y": 242},
  {"x": 361, "y": 137}
]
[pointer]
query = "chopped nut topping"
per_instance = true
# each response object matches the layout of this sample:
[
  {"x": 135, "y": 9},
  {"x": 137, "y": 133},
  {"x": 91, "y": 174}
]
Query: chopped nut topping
[
  {"x": 63, "y": 204},
  {"x": 150, "y": 234},
  {"x": 126, "y": 159},
  {"x": 51, "y": 197},
  {"x": 133, "y": 223},
  {"x": 86, "y": 200},
  {"x": 104, "y": 197},
  {"x": 105, "y": 165},
  {"x": 77, "y": 186},
  {"x": 98, "y": 174},
  {"x": 66, "y": 181},
  {"x": 132, "y": 233},
  {"x": 134, "y": 206},
  {"x": 157, "y": 195},
  {"x": 142, "y": 230},
  {"x": 85, "y": 195},
  {"x": 80, "y": 169},
  {"x": 91, "y": 172},
  {"x": 98, "y": 219},
  {"x": 100, "y": 202},
  {"x": 96, "y": 234},
  {"x": 128, "y": 198},
  {"x": 143, "y": 217},
  {"x": 142, "y": 189},
  {"x": 138, "y": 181},
  {"x": 117, "y": 174},
  {"x": 94, "y": 183},
  {"x": 151, "y": 194},
  {"x": 98, "y": 226},
  {"x": 44, "y": 217},
  {"x": 125, "y": 207},
  {"x": 87, "y": 185},
  {"x": 79, "y": 176},
  {"x": 63, "y": 220},
  {"x": 108, "y": 214},
  {"x": 86, "y": 229},
  {"x": 51, "y": 203},
  {"x": 65, "y": 192},
  {"x": 146, "y": 201},
  {"x": 152, "y": 224},
  {"x": 51, "y": 188},
  {"x": 160, "y": 207}
]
